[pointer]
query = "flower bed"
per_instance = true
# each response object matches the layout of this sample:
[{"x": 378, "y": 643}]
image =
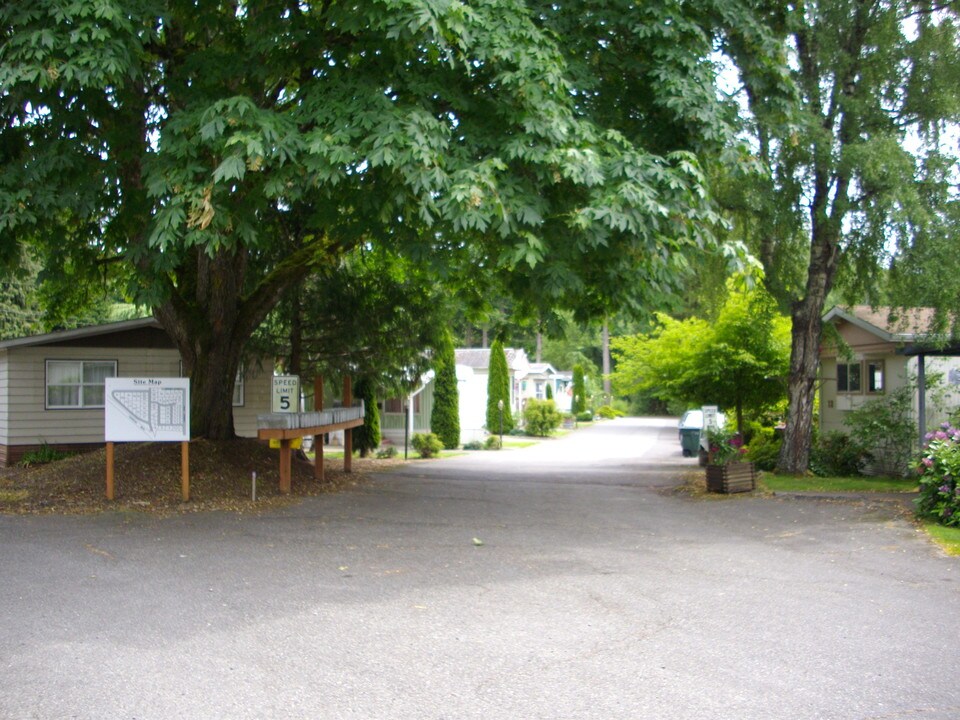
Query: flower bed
[{"x": 939, "y": 466}]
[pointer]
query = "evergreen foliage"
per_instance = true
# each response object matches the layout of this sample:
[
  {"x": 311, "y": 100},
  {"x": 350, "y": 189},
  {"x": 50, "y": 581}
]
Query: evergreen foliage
[
  {"x": 445, "y": 416},
  {"x": 579, "y": 404},
  {"x": 548, "y": 392},
  {"x": 428, "y": 445},
  {"x": 498, "y": 388},
  {"x": 366, "y": 438},
  {"x": 541, "y": 417},
  {"x": 19, "y": 306}
]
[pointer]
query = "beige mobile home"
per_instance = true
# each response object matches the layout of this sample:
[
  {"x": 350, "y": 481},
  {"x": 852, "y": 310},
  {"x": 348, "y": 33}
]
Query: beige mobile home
[
  {"x": 881, "y": 355},
  {"x": 51, "y": 386}
]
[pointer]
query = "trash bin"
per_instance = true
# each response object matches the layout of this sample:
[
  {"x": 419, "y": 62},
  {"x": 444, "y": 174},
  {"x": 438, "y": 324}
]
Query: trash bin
[
  {"x": 689, "y": 441},
  {"x": 689, "y": 426}
]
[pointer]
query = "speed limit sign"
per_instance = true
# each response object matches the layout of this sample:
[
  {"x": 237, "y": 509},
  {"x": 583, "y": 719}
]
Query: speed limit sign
[{"x": 286, "y": 394}]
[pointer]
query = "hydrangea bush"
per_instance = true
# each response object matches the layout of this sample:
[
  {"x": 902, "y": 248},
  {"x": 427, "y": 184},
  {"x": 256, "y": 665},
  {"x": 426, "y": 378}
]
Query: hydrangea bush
[{"x": 939, "y": 467}]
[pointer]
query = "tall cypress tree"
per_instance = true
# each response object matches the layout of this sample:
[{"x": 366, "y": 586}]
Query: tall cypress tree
[
  {"x": 579, "y": 391},
  {"x": 367, "y": 436},
  {"x": 445, "y": 416},
  {"x": 498, "y": 388}
]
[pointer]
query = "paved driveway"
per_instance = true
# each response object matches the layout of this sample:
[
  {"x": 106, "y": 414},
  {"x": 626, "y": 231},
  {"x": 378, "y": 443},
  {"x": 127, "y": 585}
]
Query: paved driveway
[{"x": 593, "y": 595}]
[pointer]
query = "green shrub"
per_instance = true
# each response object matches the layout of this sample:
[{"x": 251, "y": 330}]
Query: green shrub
[
  {"x": 837, "y": 454},
  {"x": 939, "y": 467},
  {"x": 585, "y": 416},
  {"x": 541, "y": 417},
  {"x": 473, "y": 445},
  {"x": 492, "y": 443},
  {"x": 45, "y": 454},
  {"x": 609, "y": 413},
  {"x": 386, "y": 453},
  {"x": 548, "y": 391},
  {"x": 764, "y": 450},
  {"x": 427, "y": 444},
  {"x": 884, "y": 428}
]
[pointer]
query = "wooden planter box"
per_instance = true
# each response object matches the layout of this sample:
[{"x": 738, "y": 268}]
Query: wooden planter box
[{"x": 731, "y": 478}]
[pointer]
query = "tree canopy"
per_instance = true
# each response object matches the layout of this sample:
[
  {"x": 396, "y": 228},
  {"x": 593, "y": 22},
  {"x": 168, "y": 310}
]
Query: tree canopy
[
  {"x": 207, "y": 157},
  {"x": 738, "y": 361},
  {"x": 852, "y": 164}
]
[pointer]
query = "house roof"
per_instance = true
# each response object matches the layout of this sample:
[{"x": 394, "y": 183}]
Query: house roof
[
  {"x": 60, "y": 336},
  {"x": 479, "y": 358},
  {"x": 541, "y": 369},
  {"x": 891, "y": 324}
]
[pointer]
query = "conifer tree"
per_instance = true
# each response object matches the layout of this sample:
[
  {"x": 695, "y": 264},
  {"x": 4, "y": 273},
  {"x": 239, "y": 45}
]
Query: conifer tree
[
  {"x": 445, "y": 416},
  {"x": 579, "y": 391},
  {"x": 367, "y": 436},
  {"x": 498, "y": 388}
]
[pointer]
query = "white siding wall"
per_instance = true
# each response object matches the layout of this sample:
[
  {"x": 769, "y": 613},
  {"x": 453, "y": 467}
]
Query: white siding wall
[{"x": 472, "y": 386}]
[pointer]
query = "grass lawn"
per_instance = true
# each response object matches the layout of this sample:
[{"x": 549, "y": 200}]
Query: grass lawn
[
  {"x": 790, "y": 483},
  {"x": 514, "y": 443},
  {"x": 947, "y": 538}
]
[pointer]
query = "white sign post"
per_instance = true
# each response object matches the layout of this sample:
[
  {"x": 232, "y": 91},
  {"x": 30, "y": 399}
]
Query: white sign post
[
  {"x": 147, "y": 410},
  {"x": 286, "y": 394}
]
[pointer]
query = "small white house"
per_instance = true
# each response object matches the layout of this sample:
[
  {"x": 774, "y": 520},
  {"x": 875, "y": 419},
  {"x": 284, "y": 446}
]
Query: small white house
[
  {"x": 527, "y": 380},
  {"x": 473, "y": 371},
  {"x": 52, "y": 385},
  {"x": 533, "y": 385}
]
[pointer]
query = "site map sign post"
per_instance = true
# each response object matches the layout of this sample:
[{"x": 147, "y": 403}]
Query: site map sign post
[{"x": 147, "y": 410}]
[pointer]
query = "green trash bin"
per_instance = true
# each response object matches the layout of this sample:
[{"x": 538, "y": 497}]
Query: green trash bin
[{"x": 689, "y": 441}]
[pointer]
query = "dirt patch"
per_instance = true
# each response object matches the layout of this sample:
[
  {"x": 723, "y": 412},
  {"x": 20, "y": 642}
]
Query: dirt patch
[
  {"x": 693, "y": 485},
  {"x": 147, "y": 477}
]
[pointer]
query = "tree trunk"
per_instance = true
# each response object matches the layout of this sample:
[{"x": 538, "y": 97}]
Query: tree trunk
[
  {"x": 806, "y": 316},
  {"x": 801, "y": 387},
  {"x": 210, "y": 319}
]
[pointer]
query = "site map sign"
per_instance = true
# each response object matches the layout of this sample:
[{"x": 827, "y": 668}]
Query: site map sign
[{"x": 147, "y": 409}]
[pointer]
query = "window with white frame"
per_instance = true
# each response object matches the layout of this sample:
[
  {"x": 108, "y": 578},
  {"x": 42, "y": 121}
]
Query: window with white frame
[
  {"x": 849, "y": 377},
  {"x": 875, "y": 376},
  {"x": 77, "y": 383}
]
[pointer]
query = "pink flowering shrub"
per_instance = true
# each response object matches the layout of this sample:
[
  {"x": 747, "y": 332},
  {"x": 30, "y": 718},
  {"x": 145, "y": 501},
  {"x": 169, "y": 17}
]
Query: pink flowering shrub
[{"x": 939, "y": 467}]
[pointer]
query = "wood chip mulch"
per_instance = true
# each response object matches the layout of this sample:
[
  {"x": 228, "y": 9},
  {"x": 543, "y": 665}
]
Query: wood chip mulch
[{"x": 147, "y": 478}]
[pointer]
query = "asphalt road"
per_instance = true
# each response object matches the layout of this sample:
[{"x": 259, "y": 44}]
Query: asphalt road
[{"x": 594, "y": 594}]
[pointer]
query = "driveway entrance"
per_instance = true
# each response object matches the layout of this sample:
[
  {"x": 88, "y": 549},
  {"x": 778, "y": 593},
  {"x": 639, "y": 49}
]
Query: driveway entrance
[{"x": 559, "y": 581}]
